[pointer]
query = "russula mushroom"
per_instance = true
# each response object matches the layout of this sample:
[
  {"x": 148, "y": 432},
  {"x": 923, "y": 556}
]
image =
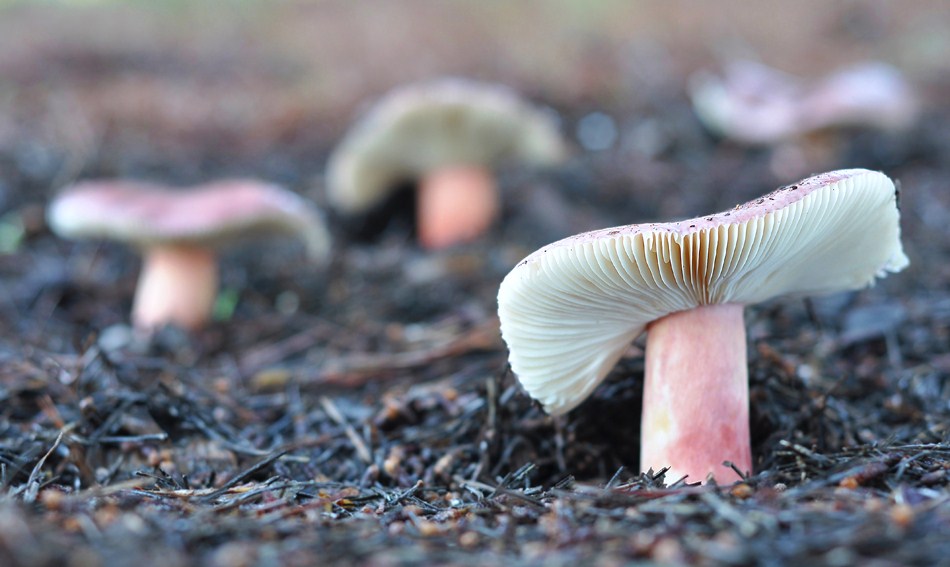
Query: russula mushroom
[
  {"x": 755, "y": 104},
  {"x": 178, "y": 232},
  {"x": 569, "y": 310},
  {"x": 444, "y": 136}
]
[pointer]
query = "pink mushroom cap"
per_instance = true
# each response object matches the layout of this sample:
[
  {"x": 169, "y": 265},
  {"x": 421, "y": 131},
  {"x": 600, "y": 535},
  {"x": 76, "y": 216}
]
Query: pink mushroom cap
[
  {"x": 178, "y": 231},
  {"x": 210, "y": 215},
  {"x": 755, "y": 104}
]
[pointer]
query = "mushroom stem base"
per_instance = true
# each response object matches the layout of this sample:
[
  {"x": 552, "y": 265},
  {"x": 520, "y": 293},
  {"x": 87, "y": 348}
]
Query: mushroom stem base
[
  {"x": 455, "y": 205},
  {"x": 696, "y": 394},
  {"x": 178, "y": 285}
]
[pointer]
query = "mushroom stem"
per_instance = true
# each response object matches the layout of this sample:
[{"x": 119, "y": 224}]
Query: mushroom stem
[
  {"x": 696, "y": 394},
  {"x": 455, "y": 205},
  {"x": 178, "y": 284}
]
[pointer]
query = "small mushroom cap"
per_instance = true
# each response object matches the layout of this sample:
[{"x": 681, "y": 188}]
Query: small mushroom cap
[
  {"x": 755, "y": 104},
  {"x": 751, "y": 103},
  {"x": 569, "y": 310},
  {"x": 209, "y": 215},
  {"x": 424, "y": 126},
  {"x": 870, "y": 94}
]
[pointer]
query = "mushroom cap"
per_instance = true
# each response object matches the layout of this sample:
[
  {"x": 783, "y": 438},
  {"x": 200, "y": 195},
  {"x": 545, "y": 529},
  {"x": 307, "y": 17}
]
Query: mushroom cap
[
  {"x": 751, "y": 103},
  {"x": 569, "y": 310},
  {"x": 210, "y": 215},
  {"x": 869, "y": 94},
  {"x": 755, "y": 104},
  {"x": 424, "y": 126}
]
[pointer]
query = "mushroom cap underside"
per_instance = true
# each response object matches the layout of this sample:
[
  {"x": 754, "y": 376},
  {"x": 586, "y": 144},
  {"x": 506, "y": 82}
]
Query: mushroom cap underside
[
  {"x": 570, "y": 310},
  {"x": 426, "y": 126}
]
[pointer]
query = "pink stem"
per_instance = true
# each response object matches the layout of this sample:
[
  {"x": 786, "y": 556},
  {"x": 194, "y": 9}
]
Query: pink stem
[
  {"x": 696, "y": 394},
  {"x": 455, "y": 205},
  {"x": 178, "y": 284}
]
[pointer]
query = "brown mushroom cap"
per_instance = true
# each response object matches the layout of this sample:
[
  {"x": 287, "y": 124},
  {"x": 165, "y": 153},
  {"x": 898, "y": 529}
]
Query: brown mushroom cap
[
  {"x": 425, "y": 126},
  {"x": 208, "y": 215},
  {"x": 570, "y": 310}
]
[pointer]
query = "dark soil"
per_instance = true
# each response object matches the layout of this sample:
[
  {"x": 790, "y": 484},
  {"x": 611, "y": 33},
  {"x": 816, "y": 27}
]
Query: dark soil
[{"x": 364, "y": 413}]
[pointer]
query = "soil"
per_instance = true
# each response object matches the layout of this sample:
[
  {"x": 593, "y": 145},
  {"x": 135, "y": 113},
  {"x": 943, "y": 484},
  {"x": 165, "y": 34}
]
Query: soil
[{"x": 363, "y": 412}]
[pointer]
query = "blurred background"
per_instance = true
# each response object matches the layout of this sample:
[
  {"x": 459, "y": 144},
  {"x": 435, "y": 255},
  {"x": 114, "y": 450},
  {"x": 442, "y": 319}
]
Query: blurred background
[
  {"x": 248, "y": 84},
  {"x": 185, "y": 91}
]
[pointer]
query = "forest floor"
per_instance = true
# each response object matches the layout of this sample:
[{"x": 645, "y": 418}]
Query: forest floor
[{"x": 363, "y": 412}]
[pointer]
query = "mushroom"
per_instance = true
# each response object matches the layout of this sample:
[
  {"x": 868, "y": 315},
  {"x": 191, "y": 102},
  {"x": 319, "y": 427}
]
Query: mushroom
[
  {"x": 178, "y": 232},
  {"x": 444, "y": 136},
  {"x": 755, "y": 104},
  {"x": 569, "y": 310}
]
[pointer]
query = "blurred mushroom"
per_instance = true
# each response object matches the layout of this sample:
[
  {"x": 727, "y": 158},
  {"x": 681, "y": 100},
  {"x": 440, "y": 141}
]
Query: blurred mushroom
[
  {"x": 755, "y": 104},
  {"x": 178, "y": 232},
  {"x": 445, "y": 136},
  {"x": 869, "y": 94},
  {"x": 569, "y": 311}
]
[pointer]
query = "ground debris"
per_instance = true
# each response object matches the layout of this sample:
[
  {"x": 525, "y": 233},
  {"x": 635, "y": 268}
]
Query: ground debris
[{"x": 365, "y": 414}]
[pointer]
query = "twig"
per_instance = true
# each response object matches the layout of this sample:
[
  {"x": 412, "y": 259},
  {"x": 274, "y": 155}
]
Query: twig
[
  {"x": 408, "y": 493},
  {"x": 133, "y": 484},
  {"x": 358, "y": 369},
  {"x": 244, "y": 475},
  {"x": 361, "y": 449},
  {"x": 32, "y": 484},
  {"x": 258, "y": 358},
  {"x": 502, "y": 488},
  {"x": 115, "y": 439},
  {"x": 614, "y": 479},
  {"x": 795, "y": 447},
  {"x": 269, "y": 485}
]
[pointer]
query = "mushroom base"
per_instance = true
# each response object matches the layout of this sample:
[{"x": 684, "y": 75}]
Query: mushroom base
[
  {"x": 696, "y": 394},
  {"x": 178, "y": 285},
  {"x": 455, "y": 205}
]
